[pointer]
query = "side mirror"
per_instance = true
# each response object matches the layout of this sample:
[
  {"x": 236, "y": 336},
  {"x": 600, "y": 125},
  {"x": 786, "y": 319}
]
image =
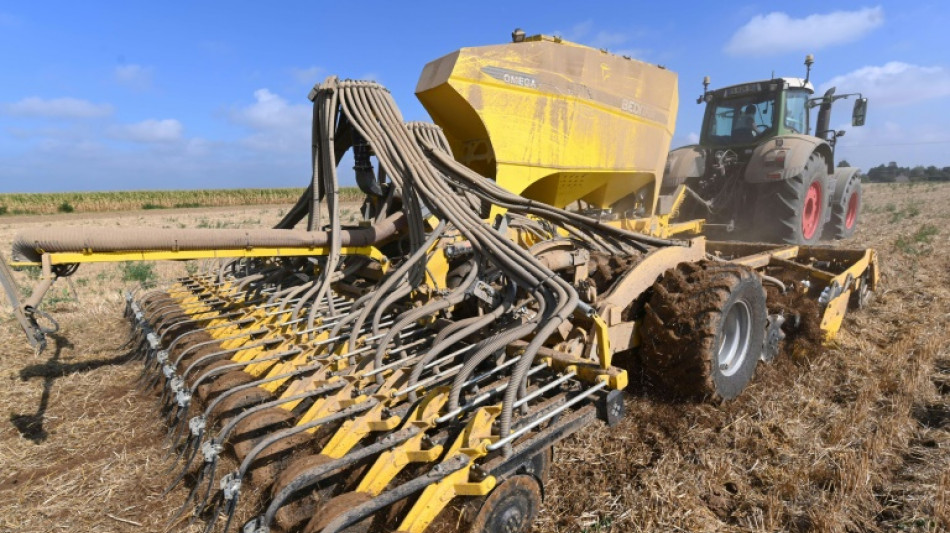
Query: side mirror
[{"x": 860, "y": 112}]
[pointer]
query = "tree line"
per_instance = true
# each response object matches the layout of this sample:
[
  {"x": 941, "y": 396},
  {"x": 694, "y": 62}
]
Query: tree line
[{"x": 892, "y": 172}]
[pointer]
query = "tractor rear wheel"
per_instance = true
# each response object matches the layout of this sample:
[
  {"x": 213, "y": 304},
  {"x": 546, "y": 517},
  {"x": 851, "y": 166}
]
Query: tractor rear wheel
[
  {"x": 794, "y": 210},
  {"x": 845, "y": 208},
  {"x": 704, "y": 330}
]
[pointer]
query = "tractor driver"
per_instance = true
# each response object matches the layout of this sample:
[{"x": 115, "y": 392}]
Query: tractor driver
[{"x": 745, "y": 128}]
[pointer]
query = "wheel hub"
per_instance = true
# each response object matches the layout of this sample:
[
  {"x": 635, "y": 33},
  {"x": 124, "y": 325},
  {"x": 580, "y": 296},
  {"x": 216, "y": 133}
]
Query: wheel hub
[
  {"x": 852, "y": 213},
  {"x": 811, "y": 210},
  {"x": 734, "y": 339}
]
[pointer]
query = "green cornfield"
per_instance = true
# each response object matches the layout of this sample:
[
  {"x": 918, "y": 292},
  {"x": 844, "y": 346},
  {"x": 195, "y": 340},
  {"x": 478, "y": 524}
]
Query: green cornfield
[{"x": 89, "y": 202}]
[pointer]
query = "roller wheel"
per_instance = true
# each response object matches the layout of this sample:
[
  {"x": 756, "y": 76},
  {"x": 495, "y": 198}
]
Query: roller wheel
[
  {"x": 794, "y": 211},
  {"x": 704, "y": 330},
  {"x": 510, "y": 508},
  {"x": 845, "y": 208}
]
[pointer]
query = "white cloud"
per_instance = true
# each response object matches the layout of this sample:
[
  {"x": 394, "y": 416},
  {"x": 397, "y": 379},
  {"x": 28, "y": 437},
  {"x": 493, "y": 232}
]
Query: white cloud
[
  {"x": 278, "y": 125},
  {"x": 65, "y": 108},
  {"x": 307, "y": 76},
  {"x": 583, "y": 32},
  {"x": 890, "y": 140},
  {"x": 134, "y": 77},
  {"x": 894, "y": 83},
  {"x": 608, "y": 39},
  {"x": 579, "y": 30},
  {"x": 149, "y": 131},
  {"x": 271, "y": 111},
  {"x": 777, "y": 32}
]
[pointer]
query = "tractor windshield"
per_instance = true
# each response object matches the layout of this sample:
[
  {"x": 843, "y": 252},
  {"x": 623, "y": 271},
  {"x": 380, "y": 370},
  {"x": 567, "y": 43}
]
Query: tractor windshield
[{"x": 739, "y": 120}]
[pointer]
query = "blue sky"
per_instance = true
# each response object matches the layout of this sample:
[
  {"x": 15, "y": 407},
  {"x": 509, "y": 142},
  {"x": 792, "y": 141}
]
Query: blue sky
[{"x": 129, "y": 95}]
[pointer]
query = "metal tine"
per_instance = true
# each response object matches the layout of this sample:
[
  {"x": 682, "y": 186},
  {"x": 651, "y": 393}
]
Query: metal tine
[
  {"x": 222, "y": 435},
  {"x": 209, "y": 469},
  {"x": 204, "y": 416},
  {"x": 225, "y": 432},
  {"x": 232, "y": 505},
  {"x": 234, "y": 479},
  {"x": 182, "y": 413},
  {"x": 180, "y": 378}
]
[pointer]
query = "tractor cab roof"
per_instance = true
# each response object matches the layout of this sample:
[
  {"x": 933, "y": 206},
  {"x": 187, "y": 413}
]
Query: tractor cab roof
[{"x": 763, "y": 85}]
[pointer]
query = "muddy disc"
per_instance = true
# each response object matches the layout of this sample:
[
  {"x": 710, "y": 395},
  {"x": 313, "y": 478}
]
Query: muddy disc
[
  {"x": 210, "y": 389},
  {"x": 337, "y": 506},
  {"x": 238, "y": 401},
  {"x": 303, "y": 505},
  {"x": 253, "y": 428}
]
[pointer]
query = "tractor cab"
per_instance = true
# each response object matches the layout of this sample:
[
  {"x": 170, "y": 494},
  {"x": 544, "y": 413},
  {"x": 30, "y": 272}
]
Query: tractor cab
[
  {"x": 763, "y": 171},
  {"x": 750, "y": 113}
]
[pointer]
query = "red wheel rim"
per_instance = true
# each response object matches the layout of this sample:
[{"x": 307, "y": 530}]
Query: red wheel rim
[
  {"x": 811, "y": 211},
  {"x": 852, "y": 213}
]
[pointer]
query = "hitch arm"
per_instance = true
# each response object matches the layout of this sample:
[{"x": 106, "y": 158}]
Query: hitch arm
[{"x": 26, "y": 312}]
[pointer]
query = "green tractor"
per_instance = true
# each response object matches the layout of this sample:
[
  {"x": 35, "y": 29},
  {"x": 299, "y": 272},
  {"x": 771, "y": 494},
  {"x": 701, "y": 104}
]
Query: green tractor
[{"x": 762, "y": 171}]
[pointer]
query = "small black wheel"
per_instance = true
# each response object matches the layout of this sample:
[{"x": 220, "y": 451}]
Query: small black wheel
[
  {"x": 845, "y": 208},
  {"x": 510, "y": 508},
  {"x": 704, "y": 330},
  {"x": 794, "y": 211}
]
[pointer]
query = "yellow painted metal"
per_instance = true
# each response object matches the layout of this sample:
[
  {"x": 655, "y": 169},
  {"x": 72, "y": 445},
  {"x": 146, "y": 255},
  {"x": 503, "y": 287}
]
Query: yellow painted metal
[
  {"x": 852, "y": 267},
  {"x": 555, "y": 121},
  {"x": 66, "y": 258},
  {"x": 388, "y": 465},
  {"x": 834, "y": 314},
  {"x": 661, "y": 225},
  {"x": 473, "y": 442},
  {"x": 864, "y": 268},
  {"x": 437, "y": 267}
]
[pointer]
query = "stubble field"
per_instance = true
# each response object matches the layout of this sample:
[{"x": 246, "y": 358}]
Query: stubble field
[{"x": 853, "y": 438}]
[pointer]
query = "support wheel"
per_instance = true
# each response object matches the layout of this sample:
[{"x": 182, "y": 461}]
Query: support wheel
[
  {"x": 704, "y": 330},
  {"x": 794, "y": 211},
  {"x": 845, "y": 208},
  {"x": 511, "y": 507}
]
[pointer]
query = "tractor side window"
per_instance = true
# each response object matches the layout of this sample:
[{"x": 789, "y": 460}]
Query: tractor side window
[{"x": 795, "y": 115}]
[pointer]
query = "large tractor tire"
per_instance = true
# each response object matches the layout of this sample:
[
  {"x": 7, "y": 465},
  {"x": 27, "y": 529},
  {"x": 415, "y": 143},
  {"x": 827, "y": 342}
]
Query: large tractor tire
[
  {"x": 845, "y": 208},
  {"x": 704, "y": 330},
  {"x": 794, "y": 211}
]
